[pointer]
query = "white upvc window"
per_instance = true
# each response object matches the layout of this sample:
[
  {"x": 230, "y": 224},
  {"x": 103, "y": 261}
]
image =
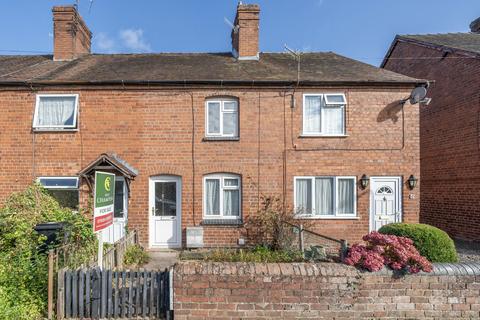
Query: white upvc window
[
  {"x": 56, "y": 112},
  {"x": 221, "y": 196},
  {"x": 63, "y": 189},
  {"x": 324, "y": 114},
  {"x": 329, "y": 197},
  {"x": 221, "y": 118}
]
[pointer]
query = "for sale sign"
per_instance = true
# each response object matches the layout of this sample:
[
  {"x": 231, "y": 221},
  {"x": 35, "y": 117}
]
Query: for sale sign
[{"x": 104, "y": 196}]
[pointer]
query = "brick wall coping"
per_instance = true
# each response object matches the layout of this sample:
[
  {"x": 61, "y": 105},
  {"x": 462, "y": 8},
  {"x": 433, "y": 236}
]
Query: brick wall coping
[{"x": 309, "y": 269}]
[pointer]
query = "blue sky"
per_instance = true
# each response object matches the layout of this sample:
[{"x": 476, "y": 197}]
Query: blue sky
[{"x": 360, "y": 29}]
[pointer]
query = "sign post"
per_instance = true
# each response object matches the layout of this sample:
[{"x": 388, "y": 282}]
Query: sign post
[{"x": 103, "y": 205}]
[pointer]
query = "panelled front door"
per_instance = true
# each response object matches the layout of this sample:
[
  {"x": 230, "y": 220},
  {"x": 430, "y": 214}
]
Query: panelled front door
[
  {"x": 385, "y": 201},
  {"x": 165, "y": 212},
  {"x": 120, "y": 214}
]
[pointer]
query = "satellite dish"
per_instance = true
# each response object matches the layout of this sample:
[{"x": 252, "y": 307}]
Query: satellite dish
[{"x": 417, "y": 95}]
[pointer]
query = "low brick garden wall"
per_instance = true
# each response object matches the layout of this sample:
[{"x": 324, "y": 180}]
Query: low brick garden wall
[{"x": 205, "y": 290}]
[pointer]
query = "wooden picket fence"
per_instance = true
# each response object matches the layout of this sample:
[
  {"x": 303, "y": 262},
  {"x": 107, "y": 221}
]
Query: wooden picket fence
[
  {"x": 98, "y": 294},
  {"x": 66, "y": 257},
  {"x": 113, "y": 256}
]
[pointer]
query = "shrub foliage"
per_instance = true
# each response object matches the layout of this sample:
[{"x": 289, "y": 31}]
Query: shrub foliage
[
  {"x": 135, "y": 256},
  {"x": 431, "y": 242},
  {"x": 398, "y": 253},
  {"x": 23, "y": 271},
  {"x": 258, "y": 254}
]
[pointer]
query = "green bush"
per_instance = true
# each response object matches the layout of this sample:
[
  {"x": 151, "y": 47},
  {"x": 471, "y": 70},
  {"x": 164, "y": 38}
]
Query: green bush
[
  {"x": 23, "y": 271},
  {"x": 258, "y": 254},
  {"x": 432, "y": 243},
  {"x": 135, "y": 256}
]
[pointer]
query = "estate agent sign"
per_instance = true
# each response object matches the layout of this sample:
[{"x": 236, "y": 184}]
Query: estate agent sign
[{"x": 104, "y": 195}]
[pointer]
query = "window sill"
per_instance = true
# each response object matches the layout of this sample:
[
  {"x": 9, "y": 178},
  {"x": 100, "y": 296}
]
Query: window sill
[
  {"x": 323, "y": 136},
  {"x": 222, "y": 222},
  {"x": 53, "y": 130},
  {"x": 327, "y": 218},
  {"x": 221, "y": 138}
]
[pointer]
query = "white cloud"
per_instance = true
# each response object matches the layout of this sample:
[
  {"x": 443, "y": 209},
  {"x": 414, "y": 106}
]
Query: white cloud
[
  {"x": 320, "y": 3},
  {"x": 104, "y": 42},
  {"x": 133, "y": 39}
]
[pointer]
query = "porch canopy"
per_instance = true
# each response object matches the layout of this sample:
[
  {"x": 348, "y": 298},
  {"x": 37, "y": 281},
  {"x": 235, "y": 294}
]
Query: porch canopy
[{"x": 109, "y": 162}]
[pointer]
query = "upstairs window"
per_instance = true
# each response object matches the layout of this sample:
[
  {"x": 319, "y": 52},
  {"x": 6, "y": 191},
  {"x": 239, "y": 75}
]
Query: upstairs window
[
  {"x": 63, "y": 189},
  {"x": 222, "y": 196},
  {"x": 221, "y": 118},
  {"x": 325, "y": 197},
  {"x": 56, "y": 112},
  {"x": 324, "y": 114}
]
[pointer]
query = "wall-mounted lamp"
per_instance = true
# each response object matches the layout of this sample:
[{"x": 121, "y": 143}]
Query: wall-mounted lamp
[
  {"x": 412, "y": 182},
  {"x": 364, "y": 181}
]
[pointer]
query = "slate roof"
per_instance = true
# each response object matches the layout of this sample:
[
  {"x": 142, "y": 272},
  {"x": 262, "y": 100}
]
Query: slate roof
[
  {"x": 467, "y": 41},
  {"x": 190, "y": 68}
]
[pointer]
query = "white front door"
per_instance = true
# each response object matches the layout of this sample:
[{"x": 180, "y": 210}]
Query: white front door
[
  {"x": 385, "y": 201},
  {"x": 120, "y": 214},
  {"x": 165, "y": 212}
]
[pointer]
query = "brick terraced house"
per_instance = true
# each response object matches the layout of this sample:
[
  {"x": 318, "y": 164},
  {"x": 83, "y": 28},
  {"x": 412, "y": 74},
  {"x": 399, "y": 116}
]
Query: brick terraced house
[
  {"x": 450, "y": 155},
  {"x": 196, "y": 139}
]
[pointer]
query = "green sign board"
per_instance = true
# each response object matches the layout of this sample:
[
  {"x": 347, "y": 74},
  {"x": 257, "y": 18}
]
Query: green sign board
[{"x": 104, "y": 196}]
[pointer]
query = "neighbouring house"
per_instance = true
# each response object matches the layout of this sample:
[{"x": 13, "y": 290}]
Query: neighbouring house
[
  {"x": 449, "y": 125},
  {"x": 196, "y": 139}
]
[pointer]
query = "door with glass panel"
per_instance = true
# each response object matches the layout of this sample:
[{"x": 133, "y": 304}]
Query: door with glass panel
[
  {"x": 385, "y": 201},
  {"x": 120, "y": 214},
  {"x": 165, "y": 212}
]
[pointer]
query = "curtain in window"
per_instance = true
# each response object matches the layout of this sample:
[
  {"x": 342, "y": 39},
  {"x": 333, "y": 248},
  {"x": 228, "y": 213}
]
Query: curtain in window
[
  {"x": 214, "y": 117},
  {"x": 303, "y": 196},
  {"x": 56, "y": 111},
  {"x": 212, "y": 195},
  {"x": 231, "y": 200},
  {"x": 345, "y": 196},
  {"x": 333, "y": 120},
  {"x": 311, "y": 115},
  {"x": 231, "y": 203},
  {"x": 324, "y": 196}
]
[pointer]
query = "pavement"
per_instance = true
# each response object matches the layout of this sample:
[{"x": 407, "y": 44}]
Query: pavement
[
  {"x": 159, "y": 260},
  {"x": 468, "y": 251}
]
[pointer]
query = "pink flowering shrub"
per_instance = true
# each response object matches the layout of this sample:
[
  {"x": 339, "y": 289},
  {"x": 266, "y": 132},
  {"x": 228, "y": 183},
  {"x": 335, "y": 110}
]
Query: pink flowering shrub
[{"x": 398, "y": 253}]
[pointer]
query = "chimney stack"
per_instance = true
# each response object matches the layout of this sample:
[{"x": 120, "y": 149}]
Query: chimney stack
[
  {"x": 475, "y": 26},
  {"x": 71, "y": 36},
  {"x": 245, "y": 33}
]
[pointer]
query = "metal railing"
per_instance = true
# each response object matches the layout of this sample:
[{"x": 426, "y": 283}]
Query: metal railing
[{"x": 306, "y": 240}]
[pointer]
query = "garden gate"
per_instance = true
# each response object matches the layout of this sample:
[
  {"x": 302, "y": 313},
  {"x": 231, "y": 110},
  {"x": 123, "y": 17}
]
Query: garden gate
[{"x": 99, "y": 294}]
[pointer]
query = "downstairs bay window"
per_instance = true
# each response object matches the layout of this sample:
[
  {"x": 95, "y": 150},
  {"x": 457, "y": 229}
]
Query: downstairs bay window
[
  {"x": 221, "y": 196},
  {"x": 63, "y": 189},
  {"x": 325, "y": 197}
]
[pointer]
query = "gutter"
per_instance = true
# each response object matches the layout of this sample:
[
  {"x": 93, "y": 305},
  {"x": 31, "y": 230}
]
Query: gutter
[{"x": 221, "y": 83}]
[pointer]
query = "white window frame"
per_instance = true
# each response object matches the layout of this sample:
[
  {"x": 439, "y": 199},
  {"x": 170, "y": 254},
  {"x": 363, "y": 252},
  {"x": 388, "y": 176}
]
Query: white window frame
[
  {"x": 60, "y": 178},
  {"x": 222, "y": 177},
  {"x": 222, "y": 112},
  {"x": 323, "y": 105},
  {"x": 38, "y": 127},
  {"x": 335, "y": 214}
]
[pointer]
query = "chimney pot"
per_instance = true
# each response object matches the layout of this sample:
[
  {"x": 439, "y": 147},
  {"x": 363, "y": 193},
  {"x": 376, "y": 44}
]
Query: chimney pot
[
  {"x": 71, "y": 36},
  {"x": 475, "y": 26},
  {"x": 245, "y": 34}
]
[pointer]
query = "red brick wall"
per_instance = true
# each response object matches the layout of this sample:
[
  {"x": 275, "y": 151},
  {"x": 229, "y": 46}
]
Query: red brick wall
[
  {"x": 152, "y": 130},
  {"x": 449, "y": 131},
  {"x": 318, "y": 291}
]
